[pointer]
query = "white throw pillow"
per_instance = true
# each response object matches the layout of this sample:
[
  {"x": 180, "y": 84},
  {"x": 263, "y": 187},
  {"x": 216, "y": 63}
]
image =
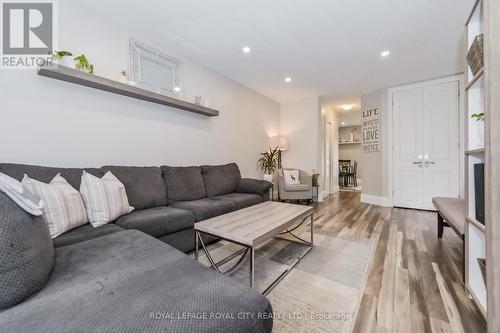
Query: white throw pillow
[
  {"x": 105, "y": 198},
  {"x": 63, "y": 207},
  {"x": 21, "y": 195},
  {"x": 291, "y": 177}
]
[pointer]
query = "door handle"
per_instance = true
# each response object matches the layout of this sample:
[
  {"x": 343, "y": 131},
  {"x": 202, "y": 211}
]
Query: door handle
[
  {"x": 419, "y": 163},
  {"x": 429, "y": 162}
]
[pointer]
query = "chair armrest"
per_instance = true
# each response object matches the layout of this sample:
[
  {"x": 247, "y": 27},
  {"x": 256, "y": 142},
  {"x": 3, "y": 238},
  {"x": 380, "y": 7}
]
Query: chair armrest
[
  {"x": 305, "y": 178},
  {"x": 254, "y": 186}
]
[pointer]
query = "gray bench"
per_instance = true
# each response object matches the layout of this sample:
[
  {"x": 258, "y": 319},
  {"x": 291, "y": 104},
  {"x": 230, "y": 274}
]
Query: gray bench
[{"x": 451, "y": 213}]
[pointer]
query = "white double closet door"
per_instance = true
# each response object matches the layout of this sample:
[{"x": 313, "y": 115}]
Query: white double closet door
[{"x": 426, "y": 144}]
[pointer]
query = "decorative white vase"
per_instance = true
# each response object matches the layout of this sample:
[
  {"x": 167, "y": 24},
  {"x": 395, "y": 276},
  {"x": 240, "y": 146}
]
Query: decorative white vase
[
  {"x": 480, "y": 132},
  {"x": 268, "y": 177},
  {"x": 67, "y": 61}
]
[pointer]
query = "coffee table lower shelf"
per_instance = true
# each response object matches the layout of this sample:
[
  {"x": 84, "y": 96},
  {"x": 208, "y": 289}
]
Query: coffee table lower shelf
[{"x": 251, "y": 250}]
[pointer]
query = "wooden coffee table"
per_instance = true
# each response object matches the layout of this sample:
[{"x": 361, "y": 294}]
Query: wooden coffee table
[{"x": 251, "y": 227}]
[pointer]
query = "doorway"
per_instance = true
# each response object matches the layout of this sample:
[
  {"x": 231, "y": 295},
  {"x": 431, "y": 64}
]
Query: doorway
[
  {"x": 350, "y": 153},
  {"x": 328, "y": 157}
]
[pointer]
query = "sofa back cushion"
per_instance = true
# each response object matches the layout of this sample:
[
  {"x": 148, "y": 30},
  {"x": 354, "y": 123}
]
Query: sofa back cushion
[
  {"x": 46, "y": 174},
  {"x": 26, "y": 253},
  {"x": 220, "y": 179},
  {"x": 184, "y": 183},
  {"x": 144, "y": 185}
]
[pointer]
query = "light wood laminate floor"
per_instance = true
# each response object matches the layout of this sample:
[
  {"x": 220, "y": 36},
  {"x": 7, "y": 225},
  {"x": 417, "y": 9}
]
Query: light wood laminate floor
[{"x": 414, "y": 281}]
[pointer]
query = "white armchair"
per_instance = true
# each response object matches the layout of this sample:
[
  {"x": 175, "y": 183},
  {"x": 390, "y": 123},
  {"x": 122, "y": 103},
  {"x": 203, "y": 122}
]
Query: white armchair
[{"x": 302, "y": 191}]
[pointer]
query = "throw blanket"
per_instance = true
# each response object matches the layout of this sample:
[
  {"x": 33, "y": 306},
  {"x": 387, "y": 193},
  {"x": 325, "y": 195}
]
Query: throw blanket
[{"x": 23, "y": 197}]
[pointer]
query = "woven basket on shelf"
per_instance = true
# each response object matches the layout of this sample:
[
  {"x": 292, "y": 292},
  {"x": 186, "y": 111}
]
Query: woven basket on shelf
[{"x": 475, "y": 55}]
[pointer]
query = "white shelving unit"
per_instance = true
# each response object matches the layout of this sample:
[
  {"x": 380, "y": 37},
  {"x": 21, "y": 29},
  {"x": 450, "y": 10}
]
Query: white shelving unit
[{"x": 475, "y": 237}]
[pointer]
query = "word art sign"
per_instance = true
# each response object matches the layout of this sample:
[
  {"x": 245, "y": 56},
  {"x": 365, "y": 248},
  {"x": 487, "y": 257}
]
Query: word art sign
[{"x": 370, "y": 123}]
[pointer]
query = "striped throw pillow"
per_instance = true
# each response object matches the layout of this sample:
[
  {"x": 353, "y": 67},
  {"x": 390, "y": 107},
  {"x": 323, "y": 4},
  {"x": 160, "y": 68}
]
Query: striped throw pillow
[
  {"x": 105, "y": 198},
  {"x": 63, "y": 207}
]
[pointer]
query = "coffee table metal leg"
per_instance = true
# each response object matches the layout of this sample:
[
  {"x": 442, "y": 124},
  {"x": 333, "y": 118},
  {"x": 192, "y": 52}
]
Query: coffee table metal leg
[
  {"x": 312, "y": 232},
  {"x": 196, "y": 245},
  {"x": 252, "y": 266}
]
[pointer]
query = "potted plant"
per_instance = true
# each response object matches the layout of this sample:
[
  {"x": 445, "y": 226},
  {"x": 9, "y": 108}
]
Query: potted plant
[
  {"x": 315, "y": 185},
  {"x": 479, "y": 126},
  {"x": 268, "y": 163},
  {"x": 82, "y": 63},
  {"x": 64, "y": 58}
]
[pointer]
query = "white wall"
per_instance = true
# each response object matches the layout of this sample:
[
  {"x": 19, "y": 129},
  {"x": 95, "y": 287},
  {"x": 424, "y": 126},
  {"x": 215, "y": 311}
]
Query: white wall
[
  {"x": 49, "y": 122},
  {"x": 375, "y": 171},
  {"x": 300, "y": 123}
]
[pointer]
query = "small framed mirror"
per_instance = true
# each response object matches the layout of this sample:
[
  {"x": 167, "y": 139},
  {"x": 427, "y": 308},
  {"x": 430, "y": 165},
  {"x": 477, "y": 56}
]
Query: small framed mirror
[{"x": 155, "y": 71}]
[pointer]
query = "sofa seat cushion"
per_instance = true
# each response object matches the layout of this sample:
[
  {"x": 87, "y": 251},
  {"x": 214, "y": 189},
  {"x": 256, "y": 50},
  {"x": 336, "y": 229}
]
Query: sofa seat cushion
[
  {"x": 220, "y": 179},
  {"x": 206, "y": 208},
  {"x": 157, "y": 221},
  {"x": 453, "y": 211},
  {"x": 297, "y": 187},
  {"x": 124, "y": 282},
  {"x": 85, "y": 232},
  {"x": 184, "y": 183},
  {"x": 241, "y": 200}
]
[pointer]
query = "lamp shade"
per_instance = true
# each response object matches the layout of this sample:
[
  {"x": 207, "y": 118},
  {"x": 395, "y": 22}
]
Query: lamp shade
[{"x": 279, "y": 141}]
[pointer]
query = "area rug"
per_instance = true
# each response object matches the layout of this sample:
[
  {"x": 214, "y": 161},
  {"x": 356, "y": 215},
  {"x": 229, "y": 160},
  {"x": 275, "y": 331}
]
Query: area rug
[{"x": 320, "y": 294}]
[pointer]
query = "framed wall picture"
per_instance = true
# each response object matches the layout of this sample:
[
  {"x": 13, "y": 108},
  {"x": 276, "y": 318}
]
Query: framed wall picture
[{"x": 155, "y": 71}]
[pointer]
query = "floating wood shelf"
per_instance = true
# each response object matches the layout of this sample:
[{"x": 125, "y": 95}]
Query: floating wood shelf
[
  {"x": 474, "y": 151},
  {"x": 75, "y": 76},
  {"x": 476, "y": 223},
  {"x": 350, "y": 143}
]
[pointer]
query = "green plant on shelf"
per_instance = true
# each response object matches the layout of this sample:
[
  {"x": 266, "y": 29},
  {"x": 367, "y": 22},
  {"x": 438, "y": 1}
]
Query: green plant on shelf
[
  {"x": 478, "y": 116},
  {"x": 315, "y": 179},
  {"x": 82, "y": 63},
  {"x": 61, "y": 54}
]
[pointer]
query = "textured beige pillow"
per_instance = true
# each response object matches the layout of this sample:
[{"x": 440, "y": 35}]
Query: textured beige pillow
[
  {"x": 63, "y": 207},
  {"x": 105, "y": 198}
]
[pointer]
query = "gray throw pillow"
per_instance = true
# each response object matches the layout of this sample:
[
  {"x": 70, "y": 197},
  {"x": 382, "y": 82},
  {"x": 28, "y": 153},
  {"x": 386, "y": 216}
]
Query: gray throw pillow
[{"x": 26, "y": 253}]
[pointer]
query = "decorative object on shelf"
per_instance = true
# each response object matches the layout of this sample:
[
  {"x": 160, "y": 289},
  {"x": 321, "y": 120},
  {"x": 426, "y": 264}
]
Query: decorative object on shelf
[
  {"x": 475, "y": 55},
  {"x": 123, "y": 76},
  {"x": 64, "y": 58},
  {"x": 154, "y": 70},
  {"x": 268, "y": 163},
  {"x": 370, "y": 124},
  {"x": 74, "y": 76},
  {"x": 197, "y": 100},
  {"x": 479, "y": 191},
  {"x": 206, "y": 103},
  {"x": 281, "y": 143},
  {"x": 478, "y": 116},
  {"x": 82, "y": 63}
]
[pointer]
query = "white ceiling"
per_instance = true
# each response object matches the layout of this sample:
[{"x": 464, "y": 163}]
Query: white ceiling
[{"x": 329, "y": 48}]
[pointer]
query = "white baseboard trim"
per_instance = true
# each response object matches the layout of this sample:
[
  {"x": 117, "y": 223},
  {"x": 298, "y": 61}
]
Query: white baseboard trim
[
  {"x": 375, "y": 200},
  {"x": 336, "y": 188}
]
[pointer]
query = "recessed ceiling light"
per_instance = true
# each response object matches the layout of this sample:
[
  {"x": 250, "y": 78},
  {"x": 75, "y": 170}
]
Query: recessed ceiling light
[
  {"x": 342, "y": 123},
  {"x": 385, "y": 53},
  {"x": 246, "y": 49},
  {"x": 346, "y": 107},
  {"x": 288, "y": 79},
  {"x": 177, "y": 89}
]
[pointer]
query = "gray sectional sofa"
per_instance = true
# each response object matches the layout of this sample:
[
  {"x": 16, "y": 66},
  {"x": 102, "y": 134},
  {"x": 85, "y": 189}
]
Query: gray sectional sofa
[{"x": 132, "y": 275}]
